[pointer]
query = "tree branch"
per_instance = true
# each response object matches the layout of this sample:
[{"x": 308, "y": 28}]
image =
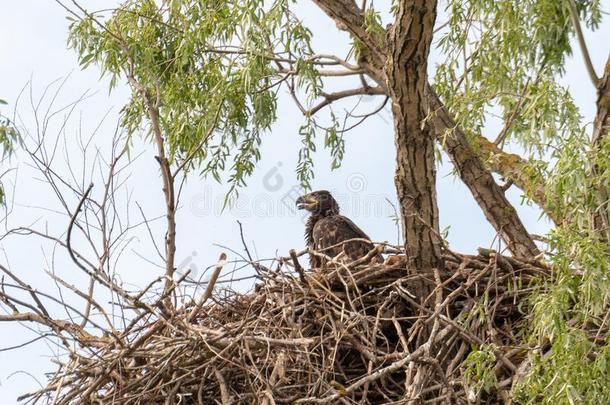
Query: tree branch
[
  {"x": 209, "y": 289},
  {"x": 600, "y": 124},
  {"x": 488, "y": 194},
  {"x": 152, "y": 107},
  {"x": 329, "y": 98},
  {"x": 582, "y": 43},
  {"x": 71, "y": 225},
  {"x": 350, "y": 18},
  {"x": 514, "y": 169},
  {"x": 497, "y": 209}
]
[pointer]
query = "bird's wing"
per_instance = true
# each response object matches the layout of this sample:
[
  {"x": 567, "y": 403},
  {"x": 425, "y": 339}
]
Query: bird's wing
[
  {"x": 349, "y": 224},
  {"x": 333, "y": 230}
]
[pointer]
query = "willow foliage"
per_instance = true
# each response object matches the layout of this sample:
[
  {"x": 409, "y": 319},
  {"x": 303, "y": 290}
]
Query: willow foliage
[
  {"x": 507, "y": 58},
  {"x": 9, "y": 139},
  {"x": 216, "y": 66}
]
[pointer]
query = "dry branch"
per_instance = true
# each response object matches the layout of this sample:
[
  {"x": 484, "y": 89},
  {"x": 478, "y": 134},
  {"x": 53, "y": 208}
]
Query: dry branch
[{"x": 344, "y": 334}]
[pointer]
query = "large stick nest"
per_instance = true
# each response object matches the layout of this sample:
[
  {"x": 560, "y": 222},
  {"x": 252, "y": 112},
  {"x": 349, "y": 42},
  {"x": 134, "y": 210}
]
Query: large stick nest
[{"x": 358, "y": 333}]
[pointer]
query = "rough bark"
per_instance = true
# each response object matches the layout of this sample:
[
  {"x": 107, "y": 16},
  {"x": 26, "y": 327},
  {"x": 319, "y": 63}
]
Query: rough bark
[
  {"x": 601, "y": 217},
  {"x": 487, "y": 193},
  {"x": 503, "y": 216},
  {"x": 515, "y": 169},
  {"x": 408, "y": 46},
  {"x": 406, "y": 72}
]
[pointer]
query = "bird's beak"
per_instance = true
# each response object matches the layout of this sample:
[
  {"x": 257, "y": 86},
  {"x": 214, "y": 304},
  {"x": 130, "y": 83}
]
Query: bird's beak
[{"x": 306, "y": 202}]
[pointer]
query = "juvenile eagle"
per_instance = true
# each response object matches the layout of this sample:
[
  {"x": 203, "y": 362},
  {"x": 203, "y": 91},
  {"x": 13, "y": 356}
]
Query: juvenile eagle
[{"x": 326, "y": 229}]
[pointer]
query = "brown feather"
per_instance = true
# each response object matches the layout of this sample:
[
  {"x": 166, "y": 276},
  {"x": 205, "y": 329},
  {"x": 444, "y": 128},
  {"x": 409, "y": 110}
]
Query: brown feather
[{"x": 326, "y": 229}]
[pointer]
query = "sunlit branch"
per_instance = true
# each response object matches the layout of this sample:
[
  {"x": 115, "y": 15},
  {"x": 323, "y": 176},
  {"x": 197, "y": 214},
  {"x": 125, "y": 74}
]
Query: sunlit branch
[{"x": 488, "y": 194}]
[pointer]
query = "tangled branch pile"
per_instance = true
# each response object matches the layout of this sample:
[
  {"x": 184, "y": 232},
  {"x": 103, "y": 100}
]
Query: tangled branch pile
[{"x": 352, "y": 334}]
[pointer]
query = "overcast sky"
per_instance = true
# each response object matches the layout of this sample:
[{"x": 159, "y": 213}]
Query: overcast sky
[{"x": 33, "y": 48}]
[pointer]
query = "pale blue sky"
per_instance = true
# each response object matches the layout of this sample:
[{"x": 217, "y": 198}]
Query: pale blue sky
[{"x": 32, "y": 47}]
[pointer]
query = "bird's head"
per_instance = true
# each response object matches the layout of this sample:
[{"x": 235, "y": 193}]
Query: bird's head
[{"x": 318, "y": 203}]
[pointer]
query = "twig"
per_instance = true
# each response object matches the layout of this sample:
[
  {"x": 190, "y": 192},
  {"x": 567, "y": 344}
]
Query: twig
[
  {"x": 71, "y": 225},
  {"x": 224, "y": 391},
  {"x": 210, "y": 287},
  {"x": 329, "y": 98},
  {"x": 582, "y": 43},
  {"x": 297, "y": 265}
]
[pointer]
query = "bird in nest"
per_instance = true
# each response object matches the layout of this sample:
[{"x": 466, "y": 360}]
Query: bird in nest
[{"x": 331, "y": 234}]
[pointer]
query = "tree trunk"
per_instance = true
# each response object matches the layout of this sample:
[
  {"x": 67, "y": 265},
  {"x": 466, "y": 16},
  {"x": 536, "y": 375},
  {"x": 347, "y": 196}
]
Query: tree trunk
[
  {"x": 418, "y": 210},
  {"x": 406, "y": 72},
  {"x": 601, "y": 216}
]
